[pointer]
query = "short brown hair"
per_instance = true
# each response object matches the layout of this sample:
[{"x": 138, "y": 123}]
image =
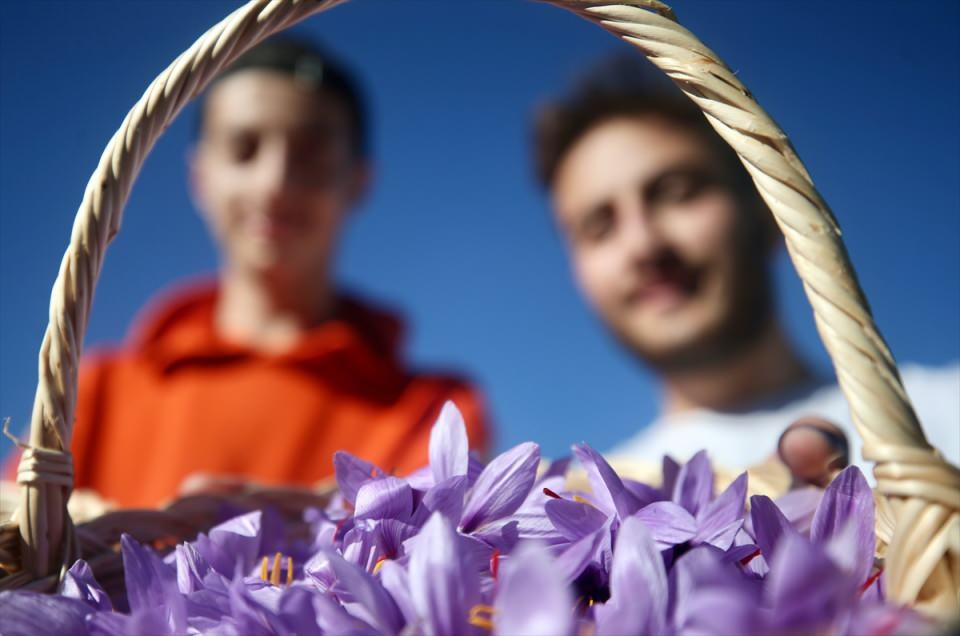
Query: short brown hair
[{"x": 618, "y": 87}]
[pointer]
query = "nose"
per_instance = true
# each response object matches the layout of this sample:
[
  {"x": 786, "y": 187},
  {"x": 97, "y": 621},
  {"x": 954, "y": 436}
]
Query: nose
[
  {"x": 642, "y": 236},
  {"x": 275, "y": 176}
]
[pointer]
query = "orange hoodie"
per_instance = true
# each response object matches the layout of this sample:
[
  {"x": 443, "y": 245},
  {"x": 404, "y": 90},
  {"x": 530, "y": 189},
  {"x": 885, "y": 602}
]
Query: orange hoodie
[{"x": 179, "y": 400}]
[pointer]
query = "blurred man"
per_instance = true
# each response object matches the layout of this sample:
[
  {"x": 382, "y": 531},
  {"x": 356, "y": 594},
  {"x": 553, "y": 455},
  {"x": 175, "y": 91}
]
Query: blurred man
[
  {"x": 265, "y": 373},
  {"x": 671, "y": 245}
]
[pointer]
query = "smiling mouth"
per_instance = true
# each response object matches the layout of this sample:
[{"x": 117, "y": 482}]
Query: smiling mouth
[
  {"x": 273, "y": 227},
  {"x": 665, "y": 284}
]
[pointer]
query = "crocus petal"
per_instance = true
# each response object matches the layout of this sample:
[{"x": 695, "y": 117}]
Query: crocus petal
[
  {"x": 574, "y": 520},
  {"x": 644, "y": 494},
  {"x": 379, "y": 608},
  {"x": 502, "y": 486},
  {"x": 79, "y": 583},
  {"x": 804, "y": 587},
  {"x": 449, "y": 454},
  {"x": 384, "y": 498},
  {"x": 638, "y": 586},
  {"x": 605, "y": 484},
  {"x": 719, "y": 521},
  {"x": 235, "y": 543},
  {"x": 351, "y": 473},
  {"x": 151, "y": 584},
  {"x": 474, "y": 468},
  {"x": 799, "y": 506},
  {"x": 446, "y": 498},
  {"x": 711, "y": 596},
  {"x": 442, "y": 586},
  {"x": 298, "y": 612},
  {"x": 670, "y": 470},
  {"x": 396, "y": 581},
  {"x": 248, "y": 611},
  {"x": 532, "y": 598},
  {"x": 572, "y": 561},
  {"x": 148, "y": 621},
  {"x": 694, "y": 487},
  {"x": 848, "y": 503},
  {"x": 192, "y": 568},
  {"x": 31, "y": 614},
  {"x": 769, "y": 525},
  {"x": 667, "y": 523}
]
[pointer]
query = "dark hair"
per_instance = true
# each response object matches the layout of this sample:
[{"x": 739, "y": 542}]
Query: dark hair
[
  {"x": 311, "y": 65},
  {"x": 621, "y": 86}
]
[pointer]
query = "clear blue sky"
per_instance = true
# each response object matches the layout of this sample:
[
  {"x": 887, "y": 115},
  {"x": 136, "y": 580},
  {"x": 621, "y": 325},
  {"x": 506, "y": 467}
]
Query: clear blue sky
[{"x": 455, "y": 232}]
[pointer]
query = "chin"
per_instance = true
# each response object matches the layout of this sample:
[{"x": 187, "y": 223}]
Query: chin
[{"x": 672, "y": 343}]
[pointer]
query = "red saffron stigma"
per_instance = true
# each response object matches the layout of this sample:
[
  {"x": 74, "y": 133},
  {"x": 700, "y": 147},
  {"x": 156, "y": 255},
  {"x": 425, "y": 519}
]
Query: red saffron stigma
[
  {"x": 750, "y": 557},
  {"x": 340, "y": 525},
  {"x": 495, "y": 563},
  {"x": 874, "y": 577},
  {"x": 550, "y": 493}
]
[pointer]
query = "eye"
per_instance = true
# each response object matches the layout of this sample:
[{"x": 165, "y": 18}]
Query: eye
[
  {"x": 677, "y": 187},
  {"x": 597, "y": 224},
  {"x": 242, "y": 147}
]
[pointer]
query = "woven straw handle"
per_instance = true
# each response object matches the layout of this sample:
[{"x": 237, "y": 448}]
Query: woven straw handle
[{"x": 922, "y": 565}]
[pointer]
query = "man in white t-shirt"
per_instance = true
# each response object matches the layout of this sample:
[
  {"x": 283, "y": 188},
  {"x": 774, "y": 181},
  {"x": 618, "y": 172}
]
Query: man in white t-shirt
[{"x": 671, "y": 245}]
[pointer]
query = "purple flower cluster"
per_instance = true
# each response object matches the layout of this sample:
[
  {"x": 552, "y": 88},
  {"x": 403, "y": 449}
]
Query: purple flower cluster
[{"x": 463, "y": 548}]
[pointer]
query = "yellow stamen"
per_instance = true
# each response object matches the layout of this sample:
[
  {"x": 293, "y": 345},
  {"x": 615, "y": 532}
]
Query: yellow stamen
[
  {"x": 289, "y": 570},
  {"x": 263, "y": 570},
  {"x": 275, "y": 575},
  {"x": 482, "y": 616},
  {"x": 379, "y": 564},
  {"x": 580, "y": 499}
]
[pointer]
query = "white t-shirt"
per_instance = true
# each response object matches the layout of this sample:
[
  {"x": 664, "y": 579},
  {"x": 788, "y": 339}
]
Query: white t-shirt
[{"x": 742, "y": 439}]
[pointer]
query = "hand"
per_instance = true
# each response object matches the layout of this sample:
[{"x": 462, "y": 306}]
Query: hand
[
  {"x": 208, "y": 484},
  {"x": 814, "y": 450}
]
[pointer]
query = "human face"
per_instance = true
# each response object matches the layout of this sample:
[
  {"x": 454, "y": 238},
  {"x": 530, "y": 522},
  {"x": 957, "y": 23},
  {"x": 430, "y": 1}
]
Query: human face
[
  {"x": 660, "y": 244},
  {"x": 275, "y": 174}
]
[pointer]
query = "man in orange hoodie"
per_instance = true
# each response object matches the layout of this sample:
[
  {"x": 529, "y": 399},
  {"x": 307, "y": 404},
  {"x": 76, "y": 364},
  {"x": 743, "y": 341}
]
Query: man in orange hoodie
[{"x": 265, "y": 373}]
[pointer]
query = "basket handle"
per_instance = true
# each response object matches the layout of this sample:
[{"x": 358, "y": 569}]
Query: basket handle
[{"x": 923, "y": 490}]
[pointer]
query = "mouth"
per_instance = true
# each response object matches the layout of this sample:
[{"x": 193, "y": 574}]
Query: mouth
[
  {"x": 664, "y": 285},
  {"x": 273, "y": 227}
]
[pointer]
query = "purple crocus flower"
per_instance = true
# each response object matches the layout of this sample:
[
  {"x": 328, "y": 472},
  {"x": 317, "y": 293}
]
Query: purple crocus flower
[
  {"x": 710, "y": 595},
  {"x": 694, "y": 514},
  {"x": 481, "y": 506},
  {"x": 463, "y": 548},
  {"x": 444, "y": 587},
  {"x": 32, "y": 614},
  {"x": 638, "y": 586},
  {"x": 152, "y": 590},
  {"x": 79, "y": 583},
  {"x": 532, "y": 597}
]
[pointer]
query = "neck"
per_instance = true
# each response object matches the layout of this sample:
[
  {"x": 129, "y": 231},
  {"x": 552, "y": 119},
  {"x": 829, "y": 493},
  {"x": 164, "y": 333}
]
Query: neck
[
  {"x": 768, "y": 367},
  {"x": 270, "y": 312}
]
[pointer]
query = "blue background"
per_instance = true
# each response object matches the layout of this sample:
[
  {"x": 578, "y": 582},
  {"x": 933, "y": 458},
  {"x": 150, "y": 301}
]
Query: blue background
[{"x": 455, "y": 232}]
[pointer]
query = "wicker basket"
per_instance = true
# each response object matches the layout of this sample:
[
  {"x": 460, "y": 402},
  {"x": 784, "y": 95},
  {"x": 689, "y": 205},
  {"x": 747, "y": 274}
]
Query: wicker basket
[{"x": 919, "y": 492}]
